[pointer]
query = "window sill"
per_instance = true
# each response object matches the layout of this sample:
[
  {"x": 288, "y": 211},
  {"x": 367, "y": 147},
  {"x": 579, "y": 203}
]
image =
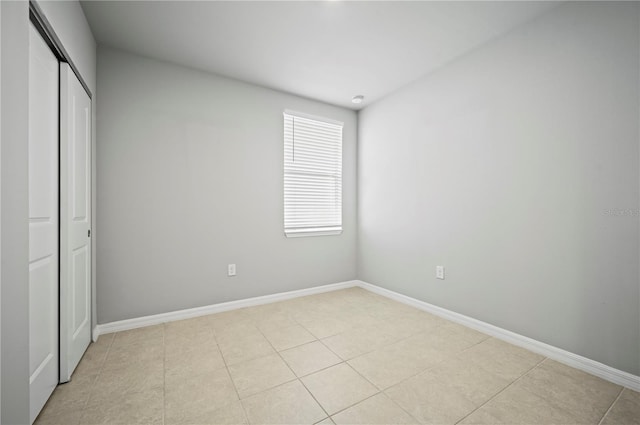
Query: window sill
[{"x": 306, "y": 232}]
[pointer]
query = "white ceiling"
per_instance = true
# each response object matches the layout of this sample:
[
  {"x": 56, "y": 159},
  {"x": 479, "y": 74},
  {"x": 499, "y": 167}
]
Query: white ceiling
[{"x": 324, "y": 50}]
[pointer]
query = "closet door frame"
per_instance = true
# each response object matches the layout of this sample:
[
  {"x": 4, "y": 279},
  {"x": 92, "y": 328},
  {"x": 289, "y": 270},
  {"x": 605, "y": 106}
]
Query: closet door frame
[{"x": 42, "y": 25}]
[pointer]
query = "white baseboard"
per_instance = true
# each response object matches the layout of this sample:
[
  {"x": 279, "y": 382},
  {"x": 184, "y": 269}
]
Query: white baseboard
[
  {"x": 570, "y": 359},
  {"x": 156, "y": 319},
  {"x": 579, "y": 362}
]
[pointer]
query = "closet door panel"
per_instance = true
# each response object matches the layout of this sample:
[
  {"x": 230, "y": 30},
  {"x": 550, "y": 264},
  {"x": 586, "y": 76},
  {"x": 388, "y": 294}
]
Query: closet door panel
[
  {"x": 43, "y": 222},
  {"x": 75, "y": 222}
]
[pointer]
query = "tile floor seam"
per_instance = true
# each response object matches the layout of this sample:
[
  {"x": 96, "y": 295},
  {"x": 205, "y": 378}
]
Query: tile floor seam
[
  {"x": 397, "y": 383},
  {"x": 278, "y": 353},
  {"x": 263, "y": 391},
  {"x": 226, "y": 366},
  {"x": 368, "y": 352},
  {"x": 329, "y": 348},
  {"x": 476, "y": 344},
  {"x": 611, "y": 407},
  {"x": 293, "y": 317},
  {"x": 378, "y": 391},
  {"x": 337, "y": 364},
  {"x": 503, "y": 390},
  {"x": 320, "y": 370},
  {"x": 401, "y": 408},
  {"x": 315, "y": 399},
  {"x": 362, "y": 376},
  {"x": 297, "y": 377},
  {"x": 95, "y": 380},
  {"x": 371, "y": 396},
  {"x": 295, "y": 346},
  {"x": 361, "y": 354},
  {"x": 354, "y": 404},
  {"x": 106, "y": 356},
  {"x": 433, "y": 366},
  {"x": 557, "y": 406},
  {"x": 259, "y": 392},
  {"x": 531, "y": 370},
  {"x": 269, "y": 389},
  {"x": 318, "y": 338},
  {"x": 294, "y": 374}
]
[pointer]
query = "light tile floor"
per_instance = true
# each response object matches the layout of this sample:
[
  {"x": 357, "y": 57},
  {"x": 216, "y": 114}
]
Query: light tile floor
[{"x": 344, "y": 357}]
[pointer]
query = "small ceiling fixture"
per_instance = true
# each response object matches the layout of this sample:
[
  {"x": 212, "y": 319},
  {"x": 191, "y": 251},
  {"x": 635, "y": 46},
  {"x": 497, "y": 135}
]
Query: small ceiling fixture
[{"x": 357, "y": 99}]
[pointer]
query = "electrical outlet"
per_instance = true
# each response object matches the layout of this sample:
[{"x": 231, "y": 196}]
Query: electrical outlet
[
  {"x": 440, "y": 272},
  {"x": 231, "y": 270}
]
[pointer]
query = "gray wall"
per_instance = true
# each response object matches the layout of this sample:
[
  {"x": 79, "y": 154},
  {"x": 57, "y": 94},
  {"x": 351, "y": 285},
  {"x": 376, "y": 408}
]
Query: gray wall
[
  {"x": 517, "y": 168},
  {"x": 190, "y": 179},
  {"x": 15, "y": 203}
]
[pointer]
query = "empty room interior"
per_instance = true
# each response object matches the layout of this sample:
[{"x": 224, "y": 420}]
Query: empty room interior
[{"x": 319, "y": 212}]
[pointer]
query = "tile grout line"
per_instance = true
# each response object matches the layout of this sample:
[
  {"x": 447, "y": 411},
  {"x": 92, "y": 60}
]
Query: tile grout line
[
  {"x": 315, "y": 399},
  {"x": 226, "y": 366},
  {"x": 343, "y": 361},
  {"x": 346, "y": 362},
  {"x": 401, "y": 408},
  {"x": 381, "y": 391},
  {"x": 426, "y": 369},
  {"x": 503, "y": 390},
  {"x": 611, "y": 407},
  {"x": 294, "y": 374},
  {"x": 409, "y": 377},
  {"x": 367, "y": 352},
  {"x": 320, "y": 370},
  {"x": 254, "y": 322},
  {"x": 429, "y": 367},
  {"x": 95, "y": 379},
  {"x": 378, "y": 390},
  {"x": 338, "y": 364},
  {"x": 299, "y": 345},
  {"x": 371, "y": 396},
  {"x": 91, "y": 386},
  {"x": 398, "y": 383},
  {"x": 358, "y": 402},
  {"x": 476, "y": 344}
]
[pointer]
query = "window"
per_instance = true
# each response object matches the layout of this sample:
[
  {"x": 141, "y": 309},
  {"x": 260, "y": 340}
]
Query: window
[{"x": 312, "y": 175}]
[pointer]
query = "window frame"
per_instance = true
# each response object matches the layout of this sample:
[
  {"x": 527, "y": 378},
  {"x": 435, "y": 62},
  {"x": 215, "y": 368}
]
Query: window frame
[{"x": 320, "y": 230}]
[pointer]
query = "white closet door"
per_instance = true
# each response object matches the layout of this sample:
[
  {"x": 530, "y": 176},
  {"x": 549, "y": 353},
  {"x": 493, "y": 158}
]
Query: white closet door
[
  {"x": 43, "y": 222},
  {"x": 75, "y": 221}
]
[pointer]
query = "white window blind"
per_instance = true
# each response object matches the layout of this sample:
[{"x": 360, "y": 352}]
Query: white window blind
[{"x": 312, "y": 176}]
